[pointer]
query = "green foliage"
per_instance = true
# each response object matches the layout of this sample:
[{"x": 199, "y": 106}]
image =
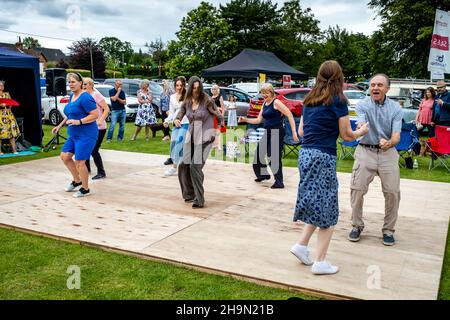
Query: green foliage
[
  {"x": 115, "y": 50},
  {"x": 113, "y": 74},
  {"x": 81, "y": 56},
  {"x": 350, "y": 50},
  {"x": 403, "y": 43},
  {"x": 83, "y": 72},
  {"x": 297, "y": 45},
  {"x": 204, "y": 40},
  {"x": 159, "y": 53},
  {"x": 253, "y": 23},
  {"x": 52, "y": 64},
  {"x": 31, "y": 43}
]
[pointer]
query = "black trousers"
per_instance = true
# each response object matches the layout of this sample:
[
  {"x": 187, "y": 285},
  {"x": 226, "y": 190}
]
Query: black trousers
[
  {"x": 96, "y": 154},
  {"x": 165, "y": 130},
  {"x": 271, "y": 144}
]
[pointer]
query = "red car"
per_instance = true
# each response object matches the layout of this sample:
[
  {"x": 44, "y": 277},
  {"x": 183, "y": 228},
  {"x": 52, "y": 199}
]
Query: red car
[{"x": 292, "y": 98}]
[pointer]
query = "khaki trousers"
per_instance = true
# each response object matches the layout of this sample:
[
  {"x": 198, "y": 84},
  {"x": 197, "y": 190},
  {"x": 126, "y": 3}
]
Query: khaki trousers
[{"x": 368, "y": 163}]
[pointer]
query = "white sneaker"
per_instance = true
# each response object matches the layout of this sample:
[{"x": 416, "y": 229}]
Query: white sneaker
[
  {"x": 170, "y": 172},
  {"x": 82, "y": 193},
  {"x": 302, "y": 254},
  {"x": 323, "y": 267},
  {"x": 72, "y": 186}
]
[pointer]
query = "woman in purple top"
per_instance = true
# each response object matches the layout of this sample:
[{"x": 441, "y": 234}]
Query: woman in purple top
[{"x": 324, "y": 118}]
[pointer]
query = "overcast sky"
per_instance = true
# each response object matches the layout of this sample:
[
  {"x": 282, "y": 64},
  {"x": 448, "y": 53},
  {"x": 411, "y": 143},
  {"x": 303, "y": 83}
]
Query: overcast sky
[{"x": 138, "y": 24}]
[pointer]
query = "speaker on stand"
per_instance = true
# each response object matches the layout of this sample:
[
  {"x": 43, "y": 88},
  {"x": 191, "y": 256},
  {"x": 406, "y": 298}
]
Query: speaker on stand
[{"x": 56, "y": 85}]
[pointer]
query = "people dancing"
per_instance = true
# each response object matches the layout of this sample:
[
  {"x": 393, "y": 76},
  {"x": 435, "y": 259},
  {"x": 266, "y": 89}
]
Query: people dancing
[
  {"x": 325, "y": 116},
  {"x": 81, "y": 115},
  {"x": 271, "y": 144},
  {"x": 103, "y": 111},
  {"x": 200, "y": 110},
  {"x": 178, "y": 133}
]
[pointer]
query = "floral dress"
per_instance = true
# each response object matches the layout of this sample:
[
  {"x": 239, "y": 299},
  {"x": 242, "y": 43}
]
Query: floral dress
[
  {"x": 8, "y": 124},
  {"x": 145, "y": 115}
]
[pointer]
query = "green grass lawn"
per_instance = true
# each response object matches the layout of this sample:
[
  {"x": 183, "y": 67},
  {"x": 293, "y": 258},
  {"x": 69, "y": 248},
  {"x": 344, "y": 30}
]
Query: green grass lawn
[{"x": 33, "y": 267}]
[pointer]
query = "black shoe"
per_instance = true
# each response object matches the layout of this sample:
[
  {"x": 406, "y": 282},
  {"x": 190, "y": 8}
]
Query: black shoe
[
  {"x": 277, "y": 186},
  {"x": 262, "y": 178},
  {"x": 355, "y": 234},
  {"x": 188, "y": 200},
  {"x": 196, "y": 206},
  {"x": 99, "y": 176},
  {"x": 168, "y": 162},
  {"x": 388, "y": 240}
]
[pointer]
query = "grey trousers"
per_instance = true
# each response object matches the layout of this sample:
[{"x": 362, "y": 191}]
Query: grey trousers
[
  {"x": 190, "y": 171},
  {"x": 368, "y": 163}
]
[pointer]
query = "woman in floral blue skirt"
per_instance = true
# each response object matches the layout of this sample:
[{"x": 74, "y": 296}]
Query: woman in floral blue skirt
[{"x": 324, "y": 118}]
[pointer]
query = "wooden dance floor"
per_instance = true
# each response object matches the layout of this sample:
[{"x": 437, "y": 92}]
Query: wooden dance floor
[{"x": 245, "y": 229}]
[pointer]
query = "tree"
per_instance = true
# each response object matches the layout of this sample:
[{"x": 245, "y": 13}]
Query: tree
[
  {"x": 405, "y": 37},
  {"x": 62, "y": 64},
  {"x": 31, "y": 43},
  {"x": 159, "y": 53},
  {"x": 254, "y": 23},
  {"x": 80, "y": 52},
  {"x": 297, "y": 45},
  {"x": 116, "y": 50},
  {"x": 349, "y": 49},
  {"x": 204, "y": 40}
]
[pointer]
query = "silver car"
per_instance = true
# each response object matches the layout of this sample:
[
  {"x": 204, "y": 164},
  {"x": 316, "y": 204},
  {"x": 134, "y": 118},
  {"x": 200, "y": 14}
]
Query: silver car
[{"x": 242, "y": 99}]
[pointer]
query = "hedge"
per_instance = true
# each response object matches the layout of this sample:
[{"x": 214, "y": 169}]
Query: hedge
[
  {"x": 84, "y": 73},
  {"x": 113, "y": 74}
]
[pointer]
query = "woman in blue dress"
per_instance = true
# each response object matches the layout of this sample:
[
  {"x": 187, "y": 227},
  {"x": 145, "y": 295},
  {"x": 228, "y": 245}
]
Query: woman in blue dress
[
  {"x": 324, "y": 118},
  {"x": 80, "y": 115}
]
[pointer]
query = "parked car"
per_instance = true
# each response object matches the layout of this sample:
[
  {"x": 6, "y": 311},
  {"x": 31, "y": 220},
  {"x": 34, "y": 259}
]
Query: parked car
[
  {"x": 131, "y": 87},
  {"x": 292, "y": 98},
  {"x": 362, "y": 85},
  {"x": 242, "y": 99},
  {"x": 49, "y": 113},
  {"x": 353, "y": 96},
  {"x": 130, "y": 107},
  {"x": 250, "y": 87}
]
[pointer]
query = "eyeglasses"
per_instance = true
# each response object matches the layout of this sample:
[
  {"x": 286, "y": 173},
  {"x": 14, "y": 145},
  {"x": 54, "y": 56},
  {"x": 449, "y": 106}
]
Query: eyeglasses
[{"x": 441, "y": 87}]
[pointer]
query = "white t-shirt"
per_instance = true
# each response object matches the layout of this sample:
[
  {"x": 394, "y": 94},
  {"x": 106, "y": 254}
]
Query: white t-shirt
[{"x": 174, "y": 108}]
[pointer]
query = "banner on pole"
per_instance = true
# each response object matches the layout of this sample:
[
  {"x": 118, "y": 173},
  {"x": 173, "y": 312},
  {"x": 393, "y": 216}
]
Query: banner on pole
[
  {"x": 286, "y": 81},
  {"x": 439, "y": 59}
]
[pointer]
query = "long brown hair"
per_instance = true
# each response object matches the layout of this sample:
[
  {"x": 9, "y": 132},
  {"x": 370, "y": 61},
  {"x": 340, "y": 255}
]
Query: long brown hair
[
  {"x": 183, "y": 82},
  {"x": 190, "y": 90},
  {"x": 433, "y": 93},
  {"x": 329, "y": 84}
]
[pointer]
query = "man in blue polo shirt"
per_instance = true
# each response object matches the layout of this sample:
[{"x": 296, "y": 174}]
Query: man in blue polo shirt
[
  {"x": 443, "y": 101},
  {"x": 118, "y": 114},
  {"x": 376, "y": 155}
]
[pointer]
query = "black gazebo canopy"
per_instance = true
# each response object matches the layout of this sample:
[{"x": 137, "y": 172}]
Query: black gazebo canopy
[{"x": 250, "y": 63}]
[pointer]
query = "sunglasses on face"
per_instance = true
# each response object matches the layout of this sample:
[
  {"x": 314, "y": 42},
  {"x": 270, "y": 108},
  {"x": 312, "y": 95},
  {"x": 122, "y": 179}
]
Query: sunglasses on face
[{"x": 441, "y": 87}]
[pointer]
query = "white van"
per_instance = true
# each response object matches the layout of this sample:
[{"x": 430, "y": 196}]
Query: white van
[{"x": 250, "y": 87}]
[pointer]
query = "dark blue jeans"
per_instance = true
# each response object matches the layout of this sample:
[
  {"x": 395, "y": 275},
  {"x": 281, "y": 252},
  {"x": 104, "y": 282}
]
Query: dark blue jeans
[{"x": 117, "y": 116}]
